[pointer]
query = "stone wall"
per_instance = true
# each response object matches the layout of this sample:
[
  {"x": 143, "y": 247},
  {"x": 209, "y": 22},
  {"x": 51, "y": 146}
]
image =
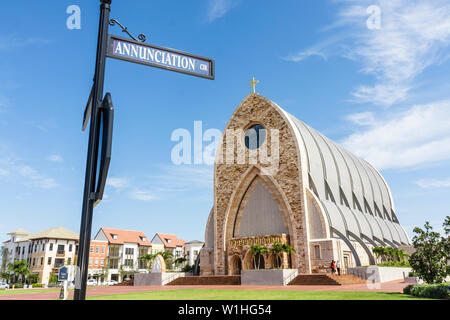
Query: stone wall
[{"x": 286, "y": 185}]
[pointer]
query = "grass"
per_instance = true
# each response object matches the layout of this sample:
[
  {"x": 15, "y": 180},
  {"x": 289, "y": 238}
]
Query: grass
[
  {"x": 22, "y": 291},
  {"x": 213, "y": 294}
]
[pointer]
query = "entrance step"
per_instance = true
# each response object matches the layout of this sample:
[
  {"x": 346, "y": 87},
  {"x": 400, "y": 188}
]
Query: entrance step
[
  {"x": 206, "y": 281},
  {"x": 325, "y": 280}
]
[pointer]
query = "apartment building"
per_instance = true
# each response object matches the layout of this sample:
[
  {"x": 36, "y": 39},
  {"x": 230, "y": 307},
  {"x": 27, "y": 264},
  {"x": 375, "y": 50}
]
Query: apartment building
[
  {"x": 192, "y": 250},
  {"x": 171, "y": 243},
  {"x": 45, "y": 251},
  {"x": 98, "y": 260},
  {"x": 125, "y": 248}
]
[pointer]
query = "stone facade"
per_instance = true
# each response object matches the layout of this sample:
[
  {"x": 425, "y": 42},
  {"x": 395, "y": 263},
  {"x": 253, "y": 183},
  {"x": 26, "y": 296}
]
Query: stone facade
[{"x": 232, "y": 180}]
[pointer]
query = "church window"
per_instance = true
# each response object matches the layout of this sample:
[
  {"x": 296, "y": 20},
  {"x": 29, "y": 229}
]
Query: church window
[{"x": 255, "y": 136}]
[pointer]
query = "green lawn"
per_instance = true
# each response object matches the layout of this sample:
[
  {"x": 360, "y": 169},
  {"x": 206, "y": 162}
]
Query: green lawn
[
  {"x": 22, "y": 291},
  {"x": 213, "y": 294}
]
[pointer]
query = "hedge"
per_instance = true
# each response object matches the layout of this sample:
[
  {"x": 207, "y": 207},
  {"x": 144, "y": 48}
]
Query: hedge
[{"x": 436, "y": 291}]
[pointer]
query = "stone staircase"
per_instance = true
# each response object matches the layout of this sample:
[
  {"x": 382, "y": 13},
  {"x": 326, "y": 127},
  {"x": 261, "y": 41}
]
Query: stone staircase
[
  {"x": 325, "y": 280},
  {"x": 206, "y": 281}
]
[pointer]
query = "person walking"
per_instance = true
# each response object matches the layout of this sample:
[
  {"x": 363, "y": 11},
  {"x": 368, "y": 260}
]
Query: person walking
[
  {"x": 333, "y": 267},
  {"x": 338, "y": 267}
]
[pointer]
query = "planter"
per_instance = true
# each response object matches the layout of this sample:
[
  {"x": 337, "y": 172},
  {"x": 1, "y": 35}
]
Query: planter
[
  {"x": 377, "y": 274},
  {"x": 273, "y": 277}
]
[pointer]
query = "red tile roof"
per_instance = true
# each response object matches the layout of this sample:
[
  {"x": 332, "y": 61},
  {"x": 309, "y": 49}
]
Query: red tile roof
[
  {"x": 126, "y": 236},
  {"x": 174, "y": 241}
]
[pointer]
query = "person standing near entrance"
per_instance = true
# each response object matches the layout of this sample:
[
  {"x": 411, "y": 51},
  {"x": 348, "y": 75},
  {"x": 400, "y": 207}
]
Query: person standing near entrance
[
  {"x": 333, "y": 267},
  {"x": 338, "y": 267}
]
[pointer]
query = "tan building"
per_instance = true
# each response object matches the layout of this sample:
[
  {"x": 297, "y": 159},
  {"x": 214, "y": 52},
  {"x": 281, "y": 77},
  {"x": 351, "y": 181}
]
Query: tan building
[
  {"x": 45, "y": 251},
  {"x": 278, "y": 180}
]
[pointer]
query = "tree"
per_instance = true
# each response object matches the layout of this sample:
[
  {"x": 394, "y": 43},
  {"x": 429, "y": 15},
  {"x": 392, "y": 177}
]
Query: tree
[
  {"x": 258, "y": 251},
  {"x": 149, "y": 259},
  {"x": 431, "y": 259},
  {"x": 5, "y": 257},
  {"x": 33, "y": 278},
  {"x": 277, "y": 248},
  {"x": 179, "y": 261},
  {"x": 167, "y": 256},
  {"x": 287, "y": 249},
  {"x": 19, "y": 268}
]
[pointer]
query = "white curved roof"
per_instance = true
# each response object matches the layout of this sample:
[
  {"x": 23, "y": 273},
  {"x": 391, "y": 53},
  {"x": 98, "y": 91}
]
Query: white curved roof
[{"x": 354, "y": 194}]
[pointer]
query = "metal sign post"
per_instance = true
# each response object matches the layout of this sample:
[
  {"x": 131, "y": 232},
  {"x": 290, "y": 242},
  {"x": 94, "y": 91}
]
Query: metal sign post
[
  {"x": 92, "y": 154},
  {"x": 101, "y": 109}
]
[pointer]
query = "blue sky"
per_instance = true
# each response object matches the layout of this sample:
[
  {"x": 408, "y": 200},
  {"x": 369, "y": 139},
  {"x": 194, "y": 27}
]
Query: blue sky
[{"x": 381, "y": 90}]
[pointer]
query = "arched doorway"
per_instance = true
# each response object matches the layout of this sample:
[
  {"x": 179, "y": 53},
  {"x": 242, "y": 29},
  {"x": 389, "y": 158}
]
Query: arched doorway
[{"x": 235, "y": 265}]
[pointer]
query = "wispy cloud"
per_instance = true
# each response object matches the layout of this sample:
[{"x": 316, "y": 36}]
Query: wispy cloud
[
  {"x": 55, "y": 158},
  {"x": 412, "y": 37},
  {"x": 117, "y": 183},
  {"x": 142, "y": 195},
  {"x": 415, "y": 137},
  {"x": 433, "y": 183},
  {"x": 12, "y": 42},
  {"x": 219, "y": 8}
]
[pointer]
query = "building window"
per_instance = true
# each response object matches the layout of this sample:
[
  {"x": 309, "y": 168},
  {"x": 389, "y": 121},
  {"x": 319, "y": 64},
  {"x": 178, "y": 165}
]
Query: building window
[
  {"x": 34, "y": 261},
  {"x": 114, "y": 236},
  {"x": 51, "y": 247},
  {"x": 103, "y": 249},
  {"x": 129, "y": 263},
  {"x": 42, "y": 261},
  {"x": 70, "y": 248},
  {"x": 96, "y": 261},
  {"x": 129, "y": 251},
  {"x": 60, "y": 249},
  {"x": 49, "y": 262},
  {"x": 43, "y": 247},
  {"x": 255, "y": 136},
  {"x": 102, "y": 262},
  {"x": 90, "y": 262},
  {"x": 96, "y": 249},
  {"x": 69, "y": 261},
  {"x": 316, "y": 252},
  {"x": 59, "y": 263},
  {"x": 91, "y": 249}
]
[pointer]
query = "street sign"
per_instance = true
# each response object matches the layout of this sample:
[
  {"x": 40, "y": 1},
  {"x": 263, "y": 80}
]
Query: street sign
[
  {"x": 63, "y": 274},
  {"x": 160, "y": 57}
]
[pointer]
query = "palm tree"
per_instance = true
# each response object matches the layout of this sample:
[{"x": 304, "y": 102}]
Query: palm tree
[
  {"x": 179, "y": 261},
  {"x": 19, "y": 268},
  {"x": 277, "y": 248},
  {"x": 257, "y": 251},
  {"x": 149, "y": 259},
  {"x": 287, "y": 249}
]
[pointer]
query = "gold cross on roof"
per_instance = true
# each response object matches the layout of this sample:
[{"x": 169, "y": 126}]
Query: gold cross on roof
[{"x": 253, "y": 83}]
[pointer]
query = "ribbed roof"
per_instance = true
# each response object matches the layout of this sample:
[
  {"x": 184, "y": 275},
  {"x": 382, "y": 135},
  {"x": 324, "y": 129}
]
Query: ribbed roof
[
  {"x": 20, "y": 232},
  {"x": 353, "y": 193}
]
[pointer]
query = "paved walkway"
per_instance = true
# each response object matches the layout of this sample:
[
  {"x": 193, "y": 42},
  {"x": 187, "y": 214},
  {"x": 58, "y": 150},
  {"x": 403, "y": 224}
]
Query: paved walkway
[{"x": 96, "y": 291}]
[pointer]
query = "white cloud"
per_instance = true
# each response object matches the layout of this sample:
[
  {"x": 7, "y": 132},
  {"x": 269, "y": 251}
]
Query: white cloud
[
  {"x": 412, "y": 37},
  {"x": 116, "y": 182},
  {"x": 142, "y": 195},
  {"x": 55, "y": 158},
  {"x": 12, "y": 41},
  {"x": 219, "y": 8},
  {"x": 362, "y": 119},
  {"x": 13, "y": 170},
  {"x": 416, "y": 137},
  {"x": 433, "y": 183}
]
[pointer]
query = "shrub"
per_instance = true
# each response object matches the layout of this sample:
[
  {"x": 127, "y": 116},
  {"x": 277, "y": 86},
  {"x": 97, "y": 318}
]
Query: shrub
[
  {"x": 17, "y": 285},
  {"x": 412, "y": 274},
  {"x": 399, "y": 264},
  {"x": 435, "y": 291},
  {"x": 37, "y": 285},
  {"x": 407, "y": 289}
]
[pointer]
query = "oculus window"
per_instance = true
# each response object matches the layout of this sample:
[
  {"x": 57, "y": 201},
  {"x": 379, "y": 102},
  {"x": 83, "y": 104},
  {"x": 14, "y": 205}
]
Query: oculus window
[{"x": 255, "y": 136}]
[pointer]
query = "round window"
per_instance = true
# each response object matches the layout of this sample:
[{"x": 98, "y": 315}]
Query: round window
[{"x": 255, "y": 136}]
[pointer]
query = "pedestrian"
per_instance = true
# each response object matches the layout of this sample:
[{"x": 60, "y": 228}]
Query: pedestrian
[
  {"x": 333, "y": 267},
  {"x": 338, "y": 267}
]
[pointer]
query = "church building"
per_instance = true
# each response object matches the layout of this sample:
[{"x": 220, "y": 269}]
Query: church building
[{"x": 323, "y": 201}]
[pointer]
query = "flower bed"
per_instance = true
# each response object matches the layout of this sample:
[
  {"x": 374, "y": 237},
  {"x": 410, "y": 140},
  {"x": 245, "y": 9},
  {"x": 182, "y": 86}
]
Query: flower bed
[{"x": 436, "y": 291}]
